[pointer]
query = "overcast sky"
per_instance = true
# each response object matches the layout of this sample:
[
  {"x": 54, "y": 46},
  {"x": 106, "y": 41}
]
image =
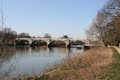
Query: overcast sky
[{"x": 56, "y": 17}]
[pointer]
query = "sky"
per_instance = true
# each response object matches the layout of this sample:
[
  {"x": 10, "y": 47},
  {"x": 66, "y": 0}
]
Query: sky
[{"x": 56, "y": 17}]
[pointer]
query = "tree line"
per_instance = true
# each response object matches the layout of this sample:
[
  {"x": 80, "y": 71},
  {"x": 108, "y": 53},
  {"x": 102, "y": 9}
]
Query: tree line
[{"x": 106, "y": 26}]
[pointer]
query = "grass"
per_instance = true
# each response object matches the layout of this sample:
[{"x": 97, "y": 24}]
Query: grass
[{"x": 114, "y": 69}]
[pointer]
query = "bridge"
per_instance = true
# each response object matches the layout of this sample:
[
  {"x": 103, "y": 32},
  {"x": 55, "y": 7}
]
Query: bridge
[{"x": 29, "y": 41}]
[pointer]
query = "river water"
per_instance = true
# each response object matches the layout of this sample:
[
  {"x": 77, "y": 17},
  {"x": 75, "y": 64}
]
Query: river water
[{"x": 32, "y": 61}]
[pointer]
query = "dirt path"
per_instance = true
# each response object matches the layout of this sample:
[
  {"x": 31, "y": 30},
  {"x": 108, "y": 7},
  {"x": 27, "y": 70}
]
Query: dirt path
[{"x": 118, "y": 49}]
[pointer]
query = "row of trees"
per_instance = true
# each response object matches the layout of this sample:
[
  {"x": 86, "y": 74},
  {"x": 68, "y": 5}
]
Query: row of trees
[
  {"x": 106, "y": 25},
  {"x": 47, "y": 35}
]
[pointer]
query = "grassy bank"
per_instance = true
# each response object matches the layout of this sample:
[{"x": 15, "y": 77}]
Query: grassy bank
[{"x": 114, "y": 69}]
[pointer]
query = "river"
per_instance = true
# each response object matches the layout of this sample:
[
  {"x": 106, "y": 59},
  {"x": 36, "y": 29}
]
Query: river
[{"x": 32, "y": 61}]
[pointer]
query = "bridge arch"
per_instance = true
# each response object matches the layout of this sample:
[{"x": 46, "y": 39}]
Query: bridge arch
[
  {"x": 57, "y": 43},
  {"x": 76, "y": 42},
  {"x": 39, "y": 43},
  {"x": 22, "y": 42}
]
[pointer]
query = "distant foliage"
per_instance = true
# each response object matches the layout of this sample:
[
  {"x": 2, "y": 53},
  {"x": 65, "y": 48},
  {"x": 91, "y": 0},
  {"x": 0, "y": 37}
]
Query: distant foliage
[
  {"x": 47, "y": 35},
  {"x": 7, "y": 35},
  {"x": 65, "y": 36},
  {"x": 24, "y": 35}
]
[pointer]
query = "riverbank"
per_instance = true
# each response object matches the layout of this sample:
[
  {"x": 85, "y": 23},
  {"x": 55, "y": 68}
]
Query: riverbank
[
  {"x": 90, "y": 65},
  {"x": 94, "y": 64}
]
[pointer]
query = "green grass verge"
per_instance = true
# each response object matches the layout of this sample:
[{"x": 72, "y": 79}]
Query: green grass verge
[{"x": 114, "y": 69}]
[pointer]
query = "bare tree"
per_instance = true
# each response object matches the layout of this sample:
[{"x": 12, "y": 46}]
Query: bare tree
[
  {"x": 6, "y": 37},
  {"x": 105, "y": 26}
]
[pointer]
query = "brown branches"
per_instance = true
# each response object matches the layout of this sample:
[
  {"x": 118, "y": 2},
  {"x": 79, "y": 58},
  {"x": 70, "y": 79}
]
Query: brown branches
[{"x": 106, "y": 25}]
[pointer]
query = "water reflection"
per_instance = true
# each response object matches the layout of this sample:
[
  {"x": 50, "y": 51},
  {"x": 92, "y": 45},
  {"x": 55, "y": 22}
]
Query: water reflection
[{"x": 31, "y": 60}]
